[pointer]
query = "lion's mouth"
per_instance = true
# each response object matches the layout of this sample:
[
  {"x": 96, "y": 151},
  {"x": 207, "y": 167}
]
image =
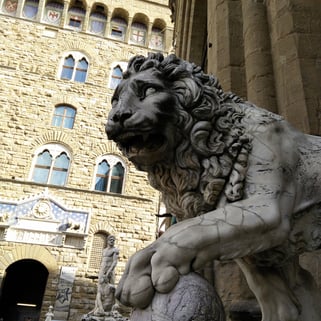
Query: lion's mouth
[{"x": 135, "y": 143}]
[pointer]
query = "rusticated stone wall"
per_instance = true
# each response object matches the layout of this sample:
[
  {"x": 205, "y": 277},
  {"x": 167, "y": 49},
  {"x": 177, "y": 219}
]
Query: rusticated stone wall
[{"x": 31, "y": 53}]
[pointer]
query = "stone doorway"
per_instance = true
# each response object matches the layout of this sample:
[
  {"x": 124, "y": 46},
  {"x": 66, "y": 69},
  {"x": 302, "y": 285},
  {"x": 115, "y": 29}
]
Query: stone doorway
[{"x": 22, "y": 291}]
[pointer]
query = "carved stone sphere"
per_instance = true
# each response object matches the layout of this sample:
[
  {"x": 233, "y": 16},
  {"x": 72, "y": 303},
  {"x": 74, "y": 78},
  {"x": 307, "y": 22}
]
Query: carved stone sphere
[{"x": 192, "y": 299}]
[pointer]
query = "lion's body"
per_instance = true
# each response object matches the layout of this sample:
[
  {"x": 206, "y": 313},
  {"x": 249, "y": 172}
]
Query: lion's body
[{"x": 241, "y": 180}]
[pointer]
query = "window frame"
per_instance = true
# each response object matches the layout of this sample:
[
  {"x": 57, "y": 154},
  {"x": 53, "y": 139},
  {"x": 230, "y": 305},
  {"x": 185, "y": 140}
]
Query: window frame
[
  {"x": 64, "y": 117},
  {"x": 9, "y": 8},
  {"x": 100, "y": 18},
  {"x": 138, "y": 29},
  {"x": 157, "y": 32},
  {"x": 118, "y": 28},
  {"x": 55, "y": 7},
  {"x": 77, "y": 58},
  {"x": 76, "y": 14},
  {"x": 112, "y": 161},
  {"x": 122, "y": 65},
  {"x": 55, "y": 150},
  {"x": 31, "y": 4},
  {"x": 94, "y": 258}
]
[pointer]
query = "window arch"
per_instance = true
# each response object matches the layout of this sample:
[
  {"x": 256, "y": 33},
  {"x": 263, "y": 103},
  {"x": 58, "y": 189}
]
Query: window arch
[
  {"x": 51, "y": 165},
  {"x": 30, "y": 9},
  {"x": 116, "y": 74},
  {"x": 64, "y": 116},
  {"x": 98, "y": 20},
  {"x": 74, "y": 67},
  {"x": 98, "y": 244},
  {"x": 53, "y": 12},
  {"x": 110, "y": 172}
]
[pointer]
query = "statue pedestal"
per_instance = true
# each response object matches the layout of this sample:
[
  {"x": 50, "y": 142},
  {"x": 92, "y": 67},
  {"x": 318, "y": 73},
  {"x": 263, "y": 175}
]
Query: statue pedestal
[
  {"x": 108, "y": 316},
  {"x": 193, "y": 298}
]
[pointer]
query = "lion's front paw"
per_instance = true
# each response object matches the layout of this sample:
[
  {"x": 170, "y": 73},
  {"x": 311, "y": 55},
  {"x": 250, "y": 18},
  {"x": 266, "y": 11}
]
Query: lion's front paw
[
  {"x": 143, "y": 275},
  {"x": 155, "y": 268},
  {"x": 135, "y": 287}
]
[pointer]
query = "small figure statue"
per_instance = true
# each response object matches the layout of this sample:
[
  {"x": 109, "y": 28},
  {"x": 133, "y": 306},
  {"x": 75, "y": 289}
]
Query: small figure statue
[
  {"x": 49, "y": 314},
  {"x": 105, "y": 298}
]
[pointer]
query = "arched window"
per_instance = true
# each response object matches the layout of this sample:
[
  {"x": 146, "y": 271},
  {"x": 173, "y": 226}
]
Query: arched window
[
  {"x": 74, "y": 67},
  {"x": 64, "y": 116},
  {"x": 109, "y": 174},
  {"x": 116, "y": 178},
  {"x": 116, "y": 77},
  {"x": 30, "y": 9},
  {"x": 138, "y": 33},
  {"x": 118, "y": 28},
  {"x": 98, "y": 20},
  {"x": 53, "y": 12},
  {"x": 68, "y": 67},
  {"x": 76, "y": 15},
  {"x": 157, "y": 39},
  {"x": 81, "y": 70},
  {"x": 10, "y": 7},
  {"x": 51, "y": 165},
  {"x": 98, "y": 244},
  {"x": 116, "y": 73}
]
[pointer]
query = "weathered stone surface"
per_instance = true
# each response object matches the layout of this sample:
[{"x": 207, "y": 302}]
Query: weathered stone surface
[
  {"x": 192, "y": 299},
  {"x": 32, "y": 52}
]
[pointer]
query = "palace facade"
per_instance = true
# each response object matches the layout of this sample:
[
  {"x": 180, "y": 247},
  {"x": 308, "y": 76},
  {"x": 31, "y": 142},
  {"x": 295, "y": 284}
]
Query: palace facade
[{"x": 63, "y": 186}]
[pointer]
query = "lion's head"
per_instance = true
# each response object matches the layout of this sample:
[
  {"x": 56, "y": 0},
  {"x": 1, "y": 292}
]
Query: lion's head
[{"x": 175, "y": 122}]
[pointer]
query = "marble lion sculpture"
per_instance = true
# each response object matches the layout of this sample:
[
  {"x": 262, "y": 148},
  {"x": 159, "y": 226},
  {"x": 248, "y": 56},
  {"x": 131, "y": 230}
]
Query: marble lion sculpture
[{"x": 242, "y": 183}]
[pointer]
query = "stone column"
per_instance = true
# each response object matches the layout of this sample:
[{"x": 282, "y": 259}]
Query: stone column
[
  {"x": 20, "y": 8},
  {"x": 86, "y": 19},
  {"x": 107, "y": 31},
  {"x": 41, "y": 8},
  {"x": 1, "y": 4},
  {"x": 287, "y": 63},
  {"x": 183, "y": 39},
  {"x": 64, "y": 15},
  {"x": 225, "y": 44},
  {"x": 257, "y": 55},
  {"x": 129, "y": 28},
  {"x": 168, "y": 40},
  {"x": 148, "y": 34}
]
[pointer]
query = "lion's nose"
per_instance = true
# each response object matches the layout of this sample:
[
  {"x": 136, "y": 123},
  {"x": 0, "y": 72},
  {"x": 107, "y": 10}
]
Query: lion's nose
[{"x": 121, "y": 116}]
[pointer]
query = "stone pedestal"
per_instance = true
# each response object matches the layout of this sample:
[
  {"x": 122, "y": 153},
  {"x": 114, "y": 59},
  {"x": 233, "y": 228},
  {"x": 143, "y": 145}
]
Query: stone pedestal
[{"x": 108, "y": 316}]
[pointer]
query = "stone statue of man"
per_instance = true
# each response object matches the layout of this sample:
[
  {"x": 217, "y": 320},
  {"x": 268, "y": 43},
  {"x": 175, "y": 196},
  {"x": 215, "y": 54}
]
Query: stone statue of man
[
  {"x": 109, "y": 260},
  {"x": 105, "y": 298}
]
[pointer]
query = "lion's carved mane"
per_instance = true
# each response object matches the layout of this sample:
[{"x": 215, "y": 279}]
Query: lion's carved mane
[{"x": 212, "y": 157}]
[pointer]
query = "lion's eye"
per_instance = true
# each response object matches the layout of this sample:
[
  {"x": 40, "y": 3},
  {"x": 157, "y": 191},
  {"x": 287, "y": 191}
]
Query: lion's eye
[
  {"x": 149, "y": 91},
  {"x": 114, "y": 102}
]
